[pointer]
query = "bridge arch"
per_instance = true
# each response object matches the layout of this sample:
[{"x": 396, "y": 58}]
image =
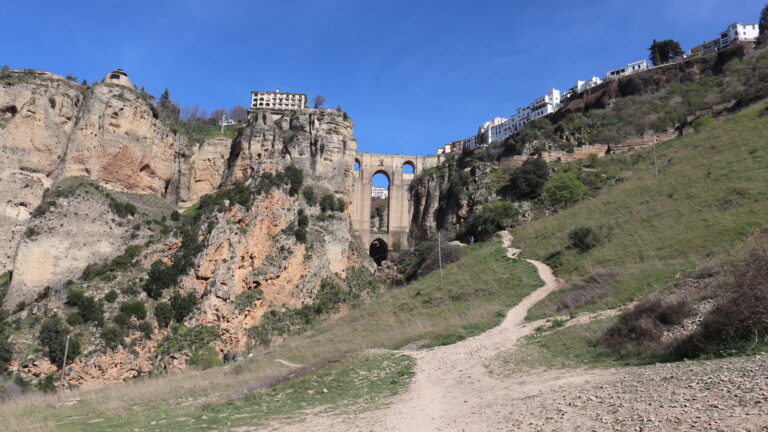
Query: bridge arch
[
  {"x": 400, "y": 171},
  {"x": 378, "y": 250}
]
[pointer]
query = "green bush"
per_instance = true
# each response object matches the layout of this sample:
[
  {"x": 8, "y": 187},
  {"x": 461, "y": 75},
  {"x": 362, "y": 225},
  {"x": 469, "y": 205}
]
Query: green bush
[
  {"x": 175, "y": 216},
  {"x": 20, "y": 306},
  {"x": 526, "y": 182},
  {"x": 295, "y": 177},
  {"x": 110, "y": 296},
  {"x": 53, "y": 338},
  {"x": 493, "y": 217},
  {"x": 584, "y": 238},
  {"x": 6, "y": 350},
  {"x": 145, "y": 327},
  {"x": 134, "y": 308},
  {"x": 341, "y": 204},
  {"x": 74, "y": 319},
  {"x": 75, "y": 298},
  {"x": 113, "y": 336},
  {"x": 47, "y": 384},
  {"x": 328, "y": 203},
  {"x": 702, "y": 122},
  {"x": 309, "y": 195},
  {"x": 182, "y": 338},
  {"x": 245, "y": 299},
  {"x": 182, "y": 305},
  {"x": 159, "y": 278},
  {"x": 563, "y": 189},
  {"x": 163, "y": 314},
  {"x": 205, "y": 357}
]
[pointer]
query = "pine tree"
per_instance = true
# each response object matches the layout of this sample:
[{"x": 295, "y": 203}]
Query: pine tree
[
  {"x": 764, "y": 24},
  {"x": 165, "y": 97}
]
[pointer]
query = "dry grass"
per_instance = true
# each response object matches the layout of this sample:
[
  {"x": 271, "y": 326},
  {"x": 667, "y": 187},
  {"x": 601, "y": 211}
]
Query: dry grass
[{"x": 477, "y": 287}]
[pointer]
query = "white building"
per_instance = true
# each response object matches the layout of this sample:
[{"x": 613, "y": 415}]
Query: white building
[
  {"x": 490, "y": 131},
  {"x": 582, "y": 86},
  {"x": 735, "y": 32},
  {"x": 379, "y": 192},
  {"x": 629, "y": 69},
  {"x": 277, "y": 100}
]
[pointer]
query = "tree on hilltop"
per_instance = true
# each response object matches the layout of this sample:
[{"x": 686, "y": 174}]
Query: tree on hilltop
[
  {"x": 318, "y": 101},
  {"x": 662, "y": 52},
  {"x": 238, "y": 113},
  {"x": 218, "y": 113},
  {"x": 763, "y": 25}
]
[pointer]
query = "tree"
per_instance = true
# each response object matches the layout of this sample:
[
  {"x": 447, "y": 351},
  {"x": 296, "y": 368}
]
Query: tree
[
  {"x": 338, "y": 109},
  {"x": 6, "y": 350},
  {"x": 309, "y": 195},
  {"x": 526, "y": 182},
  {"x": 328, "y": 203},
  {"x": 159, "y": 277},
  {"x": 53, "y": 337},
  {"x": 238, "y": 113},
  {"x": 182, "y": 305},
  {"x": 563, "y": 189},
  {"x": 165, "y": 98},
  {"x": 318, "y": 101},
  {"x": 295, "y": 177},
  {"x": 218, "y": 113},
  {"x": 493, "y": 217},
  {"x": 662, "y": 52},
  {"x": 763, "y": 25},
  {"x": 163, "y": 314}
]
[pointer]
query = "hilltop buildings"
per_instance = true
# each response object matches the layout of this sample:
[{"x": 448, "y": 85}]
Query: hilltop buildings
[
  {"x": 735, "y": 32},
  {"x": 379, "y": 192},
  {"x": 277, "y": 100}
]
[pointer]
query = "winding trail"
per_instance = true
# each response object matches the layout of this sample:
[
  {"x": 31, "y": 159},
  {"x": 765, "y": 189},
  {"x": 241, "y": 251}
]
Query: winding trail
[{"x": 452, "y": 390}]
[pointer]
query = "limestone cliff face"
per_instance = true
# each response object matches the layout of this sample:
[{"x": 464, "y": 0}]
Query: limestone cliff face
[
  {"x": 119, "y": 144},
  {"x": 320, "y": 142},
  {"x": 37, "y": 115},
  {"x": 69, "y": 153}
]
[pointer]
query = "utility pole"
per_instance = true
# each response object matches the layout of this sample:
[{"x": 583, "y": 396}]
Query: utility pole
[
  {"x": 63, "y": 367},
  {"x": 440, "y": 258}
]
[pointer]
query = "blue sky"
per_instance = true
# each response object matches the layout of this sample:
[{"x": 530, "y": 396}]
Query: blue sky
[{"x": 413, "y": 75}]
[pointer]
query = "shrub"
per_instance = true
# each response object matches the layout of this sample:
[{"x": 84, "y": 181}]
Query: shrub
[
  {"x": 20, "y": 306},
  {"x": 309, "y": 195},
  {"x": 134, "y": 308},
  {"x": 159, "y": 277},
  {"x": 526, "y": 182},
  {"x": 588, "y": 291},
  {"x": 122, "y": 320},
  {"x": 702, "y": 123},
  {"x": 182, "y": 305},
  {"x": 740, "y": 320},
  {"x": 245, "y": 299},
  {"x": 75, "y": 298},
  {"x": 205, "y": 357},
  {"x": 562, "y": 190},
  {"x": 163, "y": 314},
  {"x": 493, "y": 217},
  {"x": 639, "y": 331},
  {"x": 111, "y": 296},
  {"x": 145, "y": 327},
  {"x": 341, "y": 205},
  {"x": 53, "y": 337},
  {"x": 175, "y": 216},
  {"x": 113, "y": 336},
  {"x": 328, "y": 203},
  {"x": 584, "y": 238},
  {"x": 6, "y": 350},
  {"x": 47, "y": 384},
  {"x": 301, "y": 235},
  {"x": 74, "y": 319},
  {"x": 91, "y": 310},
  {"x": 295, "y": 177}
]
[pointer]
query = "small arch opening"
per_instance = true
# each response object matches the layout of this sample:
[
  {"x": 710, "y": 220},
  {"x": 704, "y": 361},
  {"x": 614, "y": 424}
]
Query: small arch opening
[
  {"x": 380, "y": 202},
  {"x": 409, "y": 168},
  {"x": 357, "y": 165},
  {"x": 378, "y": 251}
]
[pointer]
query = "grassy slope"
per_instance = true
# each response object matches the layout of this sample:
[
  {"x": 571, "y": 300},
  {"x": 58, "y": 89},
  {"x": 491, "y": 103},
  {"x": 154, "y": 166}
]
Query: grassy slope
[
  {"x": 709, "y": 196},
  {"x": 476, "y": 288}
]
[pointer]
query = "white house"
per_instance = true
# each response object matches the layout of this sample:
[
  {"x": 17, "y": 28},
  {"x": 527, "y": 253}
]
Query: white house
[
  {"x": 735, "y": 32},
  {"x": 629, "y": 69},
  {"x": 489, "y": 132},
  {"x": 582, "y": 86},
  {"x": 379, "y": 192},
  {"x": 278, "y": 101}
]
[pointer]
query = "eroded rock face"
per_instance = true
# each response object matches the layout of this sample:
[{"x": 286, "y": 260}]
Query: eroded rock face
[
  {"x": 57, "y": 246},
  {"x": 204, "y": 171},
  {"x": 320, "y": 142},
  {"x": 119, "y": 144}
]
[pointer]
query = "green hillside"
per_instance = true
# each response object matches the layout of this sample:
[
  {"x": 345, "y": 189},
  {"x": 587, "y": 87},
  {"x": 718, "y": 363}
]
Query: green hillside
[{"x": 710, "y": 194}]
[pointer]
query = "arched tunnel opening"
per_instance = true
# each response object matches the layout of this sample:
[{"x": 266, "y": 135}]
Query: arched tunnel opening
[{"x": 378, "y": 251}]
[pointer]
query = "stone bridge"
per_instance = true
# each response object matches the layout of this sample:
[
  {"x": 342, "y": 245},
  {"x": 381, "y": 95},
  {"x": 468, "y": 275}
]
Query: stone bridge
[{"x": 399, "y": 206}]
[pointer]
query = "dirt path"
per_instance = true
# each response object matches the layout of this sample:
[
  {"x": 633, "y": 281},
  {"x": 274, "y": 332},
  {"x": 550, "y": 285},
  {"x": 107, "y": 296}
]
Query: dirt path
[{"x": 451, "y": 388}]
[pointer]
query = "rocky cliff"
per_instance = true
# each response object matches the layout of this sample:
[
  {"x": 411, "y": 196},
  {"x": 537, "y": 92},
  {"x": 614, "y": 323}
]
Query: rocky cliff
[{"x": 88, "y": 171}]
